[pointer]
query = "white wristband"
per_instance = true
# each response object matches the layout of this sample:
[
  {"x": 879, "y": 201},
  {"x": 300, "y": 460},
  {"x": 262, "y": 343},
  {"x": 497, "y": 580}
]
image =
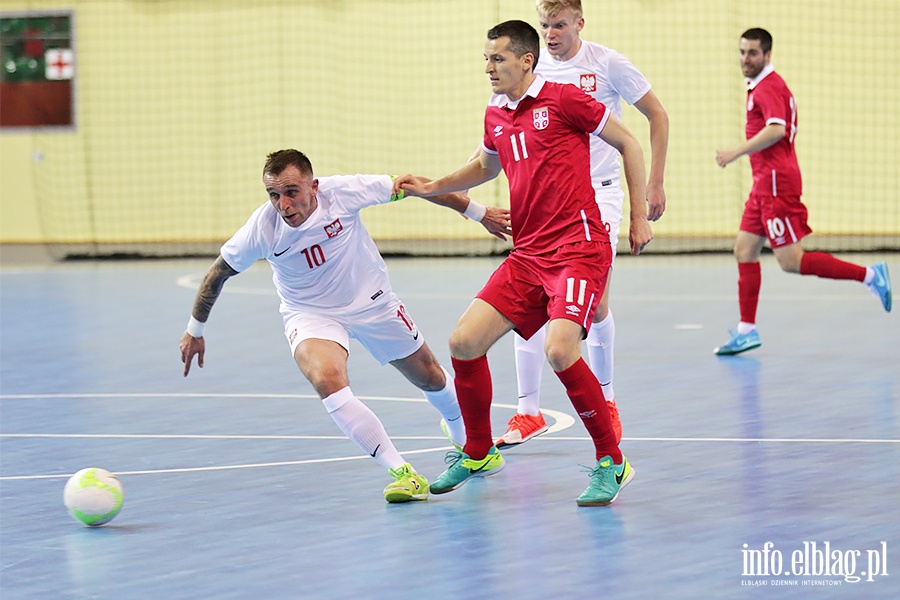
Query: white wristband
[
  {"x": 475, "y": 211},
  {"x": 195, "y": 327}
]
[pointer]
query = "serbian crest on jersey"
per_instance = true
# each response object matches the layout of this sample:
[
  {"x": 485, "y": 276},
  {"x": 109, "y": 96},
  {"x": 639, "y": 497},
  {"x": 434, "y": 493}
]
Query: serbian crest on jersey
[
  {"x": 749, "y": 102},
  {"x": 588, "y": 82},
  {"x": 334, "y": 228},
  {"x": 541, "y": 117}
]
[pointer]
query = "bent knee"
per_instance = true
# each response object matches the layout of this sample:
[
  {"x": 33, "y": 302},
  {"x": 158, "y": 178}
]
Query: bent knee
[
  {"x": 744, "y": 255},
  {"x": 789, "y": 264},
  {"x": 326, "y": 379},
  {"x": 462, "y": 346},
  {"x": 561, "y": 358}
]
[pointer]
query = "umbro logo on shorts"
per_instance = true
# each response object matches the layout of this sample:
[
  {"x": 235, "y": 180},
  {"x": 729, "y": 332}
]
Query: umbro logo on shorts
[{"x": 573, "y": 309}]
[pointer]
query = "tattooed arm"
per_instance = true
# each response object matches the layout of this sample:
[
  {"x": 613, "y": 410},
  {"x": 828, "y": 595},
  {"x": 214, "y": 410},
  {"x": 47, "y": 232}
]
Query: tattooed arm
[{"x": 192, "y": 342}]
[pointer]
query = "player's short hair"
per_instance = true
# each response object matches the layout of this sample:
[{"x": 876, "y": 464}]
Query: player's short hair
[
  {"x": 523, "y": 38},
  {"x": 277, "y": 162},
  {"x": 548, "y": 8},
  {"x": 760, "y": 35}
]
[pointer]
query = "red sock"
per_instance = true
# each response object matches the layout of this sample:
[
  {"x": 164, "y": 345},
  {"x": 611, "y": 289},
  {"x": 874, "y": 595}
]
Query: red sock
[
  {"x": 822, "y": 264},
  {"x": 749, "y": 281},
  {"x": 474, "y": 389},
  {"x": 586, "y": 395}
]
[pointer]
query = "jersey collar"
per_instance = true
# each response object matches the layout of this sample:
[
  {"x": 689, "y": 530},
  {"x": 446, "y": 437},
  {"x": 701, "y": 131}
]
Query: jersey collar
[
  {"x": 533, "y": 90},
  {"x": 752, "y": 83}
]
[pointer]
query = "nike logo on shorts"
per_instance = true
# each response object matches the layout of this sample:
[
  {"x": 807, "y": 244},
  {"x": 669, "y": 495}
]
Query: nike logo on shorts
[{"x": 283, "y": 251}]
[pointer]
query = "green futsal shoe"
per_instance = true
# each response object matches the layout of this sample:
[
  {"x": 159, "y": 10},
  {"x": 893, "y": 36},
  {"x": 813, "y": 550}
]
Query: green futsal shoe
[
  {"x": 407, "y": 485},
  {"x": 607, "y": 479},
  {"x": 462, "y": 468}
]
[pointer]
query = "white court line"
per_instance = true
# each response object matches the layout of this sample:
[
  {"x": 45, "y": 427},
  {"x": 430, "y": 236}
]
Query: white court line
[
  {"x": 226, "y": 467},
  {"x": 562, "y": 422},
  {"x": 543, "y": 438},
  {"x": 175, "y": 395},
  {"x": 741, "y": 440}
]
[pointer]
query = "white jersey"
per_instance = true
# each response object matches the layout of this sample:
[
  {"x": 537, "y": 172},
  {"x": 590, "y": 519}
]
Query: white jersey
[
  {"x": 329, "y": 265},
  {"x": 610, "y": 78}
]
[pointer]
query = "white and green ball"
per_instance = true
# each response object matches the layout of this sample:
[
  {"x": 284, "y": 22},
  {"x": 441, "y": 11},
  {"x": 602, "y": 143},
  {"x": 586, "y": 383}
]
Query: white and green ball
[{"x": 93, "y": 496}]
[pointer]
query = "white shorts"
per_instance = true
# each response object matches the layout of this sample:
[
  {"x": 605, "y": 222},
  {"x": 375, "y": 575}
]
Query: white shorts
[
  {"x": 610, "y": 199},
  {"x": 385, "y": 330}
]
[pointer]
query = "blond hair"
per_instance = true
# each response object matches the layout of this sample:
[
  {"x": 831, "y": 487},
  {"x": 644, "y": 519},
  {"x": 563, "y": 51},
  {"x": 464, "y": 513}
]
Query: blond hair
[{"x": 548, "y": 8}]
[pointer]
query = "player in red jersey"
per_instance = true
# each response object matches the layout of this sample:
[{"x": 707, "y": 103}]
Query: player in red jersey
[
  {"x": 774, "y": 210},
  {"x": 558, "y": 267},
  {"x": 610, "y": 78}
]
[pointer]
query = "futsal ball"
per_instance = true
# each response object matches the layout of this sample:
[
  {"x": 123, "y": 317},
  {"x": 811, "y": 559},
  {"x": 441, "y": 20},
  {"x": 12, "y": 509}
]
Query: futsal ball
[{"x": 93, "y": 496}]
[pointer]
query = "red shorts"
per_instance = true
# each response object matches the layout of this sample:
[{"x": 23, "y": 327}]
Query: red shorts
[
  {"x": 565, "y": 284},
  {"x": 782, "y": 219}
]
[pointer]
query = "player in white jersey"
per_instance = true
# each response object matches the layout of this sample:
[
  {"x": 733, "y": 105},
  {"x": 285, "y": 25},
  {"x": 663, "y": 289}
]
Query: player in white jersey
[
  {"x": 610, "y": 78},
  {"x": 333, "y": 285}
]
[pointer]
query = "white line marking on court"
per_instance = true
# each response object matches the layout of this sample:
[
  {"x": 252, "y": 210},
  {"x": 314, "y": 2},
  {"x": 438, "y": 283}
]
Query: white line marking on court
[
  {"x": 544, "y": 438},
  {"x": 562, "y": 422},
  {"x": 226, "y": 467},
  {"x": 738, "y": 440}
]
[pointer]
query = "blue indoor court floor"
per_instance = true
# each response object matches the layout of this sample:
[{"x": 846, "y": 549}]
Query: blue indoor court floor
[{"x": 239, "y": 485}]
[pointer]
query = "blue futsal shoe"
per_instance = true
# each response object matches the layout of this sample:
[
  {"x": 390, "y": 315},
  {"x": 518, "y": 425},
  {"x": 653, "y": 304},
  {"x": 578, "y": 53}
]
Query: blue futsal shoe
[
  {"x": 881, "y": 284},
  {"x": 607, "y": 478},
  {"x": 462, "y": 468},
  {"x": 739, "y": 342}
]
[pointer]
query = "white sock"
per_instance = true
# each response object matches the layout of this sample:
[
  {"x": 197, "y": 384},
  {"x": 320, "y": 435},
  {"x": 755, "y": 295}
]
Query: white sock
[
  {"x": 870, "y": 275},
  {"x": 600, "y": 344},
  {"x": 744, "y": 327},
  {"x": 446, "y": 403},
  {"x": 529, "y": 369},
  {"x": 363, "y": 427}
]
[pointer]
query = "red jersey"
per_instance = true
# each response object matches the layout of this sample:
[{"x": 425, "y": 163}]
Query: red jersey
[
  {"x": 543, "y": 145},
  {"x": 775, "y": 169}
]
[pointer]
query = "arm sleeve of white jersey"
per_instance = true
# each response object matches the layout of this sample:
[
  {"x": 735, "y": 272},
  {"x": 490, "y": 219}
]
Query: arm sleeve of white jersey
[
  {"x": 355, "y": 192},
  {"x": 247, "y": 245},
  {"x": 628, "y": 81}
]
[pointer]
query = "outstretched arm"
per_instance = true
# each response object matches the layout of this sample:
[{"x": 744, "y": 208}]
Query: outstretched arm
[
  {"x": 473, "y": 173},
  {"x": 617, "y": 135},
  {"x": 451, "y": 191},
  {"x": 767, "y": 136},
  {"x": 192, "y": 342},
  {"x": 652, "y": 108}
]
